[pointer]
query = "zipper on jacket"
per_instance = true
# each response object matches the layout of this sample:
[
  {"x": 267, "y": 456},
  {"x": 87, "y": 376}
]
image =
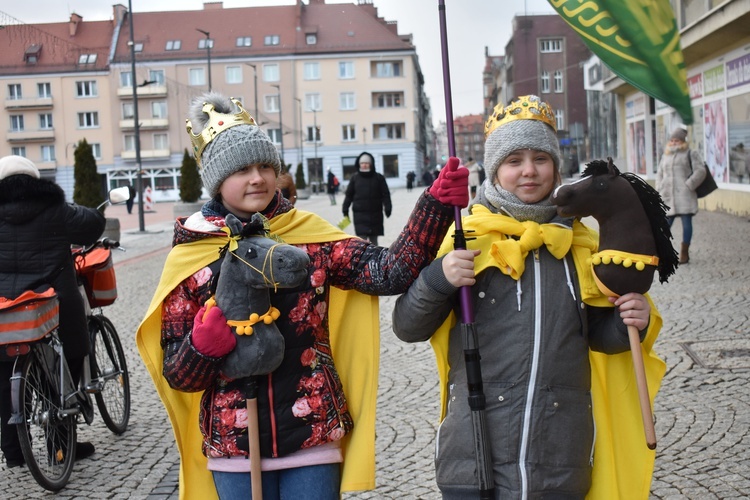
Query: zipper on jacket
[
  {"x": 523, "y": 453},
  {"x": 275, "y": 450}
]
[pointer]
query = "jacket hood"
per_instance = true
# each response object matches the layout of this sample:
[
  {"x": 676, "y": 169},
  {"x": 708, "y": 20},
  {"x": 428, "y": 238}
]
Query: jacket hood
[
  {"x": 23, "y": 197},
  {"x": 372, "y": 170}
]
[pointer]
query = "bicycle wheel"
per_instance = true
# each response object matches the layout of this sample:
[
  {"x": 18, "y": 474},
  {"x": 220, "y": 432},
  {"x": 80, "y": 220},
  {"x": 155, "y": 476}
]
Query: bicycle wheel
[
  {"x": 109, "y": 374},
  {"x": 47, "y": 436}
]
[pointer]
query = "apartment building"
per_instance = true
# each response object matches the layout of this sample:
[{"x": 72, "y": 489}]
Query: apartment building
[
  {"x": 715, "y": 41},
  {"x": 326, "y": 82}
]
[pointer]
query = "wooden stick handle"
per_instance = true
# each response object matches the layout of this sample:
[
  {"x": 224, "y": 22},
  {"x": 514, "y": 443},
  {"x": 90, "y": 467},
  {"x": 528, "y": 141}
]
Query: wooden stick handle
[
  {"x": 254, "y": 435},
  {"x": 640, "y": 379}
]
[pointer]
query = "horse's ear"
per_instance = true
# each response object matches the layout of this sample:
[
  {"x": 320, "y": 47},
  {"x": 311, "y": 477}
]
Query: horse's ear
[
  {"x": 234, "y": 224},
  {"x": 257, "y": 225},
  {"x": 611, "y": 167}
]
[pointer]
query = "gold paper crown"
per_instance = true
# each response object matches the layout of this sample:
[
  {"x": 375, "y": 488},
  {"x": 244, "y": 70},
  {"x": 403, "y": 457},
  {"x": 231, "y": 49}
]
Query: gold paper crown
[
  {"x": 217, "y": 123},
  {"x": 527, "y": 107}
]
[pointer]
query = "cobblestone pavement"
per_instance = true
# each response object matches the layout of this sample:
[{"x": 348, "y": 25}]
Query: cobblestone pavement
[{"x": 702, "y": 412}]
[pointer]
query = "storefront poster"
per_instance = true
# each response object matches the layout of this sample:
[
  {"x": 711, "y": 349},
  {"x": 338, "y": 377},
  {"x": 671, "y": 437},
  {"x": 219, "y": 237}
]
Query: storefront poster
[{"x": 715, "y": 133}]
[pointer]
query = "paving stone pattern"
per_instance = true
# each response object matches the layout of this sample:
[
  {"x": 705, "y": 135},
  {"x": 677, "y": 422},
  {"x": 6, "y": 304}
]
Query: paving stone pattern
[{"x": 702, "y": 412}]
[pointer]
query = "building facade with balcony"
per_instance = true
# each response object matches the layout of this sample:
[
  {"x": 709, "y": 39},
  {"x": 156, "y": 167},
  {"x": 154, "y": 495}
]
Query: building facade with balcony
[
  {"x": 326, "y": 82},
  {"x": 715, "y": 41}
]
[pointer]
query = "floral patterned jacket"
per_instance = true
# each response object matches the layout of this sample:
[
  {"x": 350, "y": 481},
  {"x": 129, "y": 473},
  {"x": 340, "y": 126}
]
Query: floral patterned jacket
[{"x": 301, "y": 404}]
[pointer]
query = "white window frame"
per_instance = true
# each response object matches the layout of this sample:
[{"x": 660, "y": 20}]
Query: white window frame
[
  {"x": 309, "y": 135},
  {"x": 347, "y": 101},
  {"x": 173, "y": 45},
  {"x": 388, "y": 69},
  {"x": 348, "y": 133},
  {"x": 88, "y": 119},
  {"x": 126, "y": 79},
  {"x": 16, "y": 123},
  {"x": 96, "y": 150},
  {"x": 161, "y": 141},
  {"x": 346, "y": 70},
  {"x": 550, "y": 45},
  {"x": 159, "y": 109},
  {"x": 274, "y": 134},
  {"x": 388, "y": 100},
  {"x": 45, "y": 121},
  {"x": 15, "y": 91},
  {"x": 271, "y": 73},
  {"x": 48, "y": 153},
  {"x": 271, "y": 103},
  {"x": 157, "y": 76},
  {"x": 205, "y": 42},
  {"x": 311, "y": 39},
  {"x": 313, "y": 101},
  {"x": 87, "y": 88},
  {"x": 558, "y": 79},
  {"x": 545, "y": 82},
  {"x": 234, "y": 74},
  {"x": 312, "y": 70},
  {"x": 128, "y": 111},
  {"x": 244, "y": 41},
  {"x": 18, "y": 151},
  {"x": 128, "y": 142},
  {"x": 197, "y": 76},
  {"x": 44, "y": 89},
  {"x": 389, "y": 131},
  {"x": 87, "y": 59},
  {"x": 560, "y": 119},
  {"x": 271, "y": 40}
]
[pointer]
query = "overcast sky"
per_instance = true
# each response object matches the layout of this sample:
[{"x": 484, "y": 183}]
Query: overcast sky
[{"x": 471, "y": 25}]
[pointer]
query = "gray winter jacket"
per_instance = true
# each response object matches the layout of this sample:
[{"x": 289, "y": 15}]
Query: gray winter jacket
[
  {"x": 676, "y": 182},
  {"x": 534, "y": 338}
]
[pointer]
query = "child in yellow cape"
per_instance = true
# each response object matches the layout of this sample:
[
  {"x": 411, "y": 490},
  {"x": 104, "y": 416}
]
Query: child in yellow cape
[
  {"x": 317, "y": 408},
  {"x": 562, "y": 409}
]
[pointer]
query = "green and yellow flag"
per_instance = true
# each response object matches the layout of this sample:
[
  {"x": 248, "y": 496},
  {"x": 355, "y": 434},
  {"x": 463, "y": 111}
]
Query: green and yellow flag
[{"x": 638, "y": 40}]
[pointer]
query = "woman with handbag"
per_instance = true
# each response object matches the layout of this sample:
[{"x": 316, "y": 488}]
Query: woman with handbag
[{"x": 677, "y": 181}]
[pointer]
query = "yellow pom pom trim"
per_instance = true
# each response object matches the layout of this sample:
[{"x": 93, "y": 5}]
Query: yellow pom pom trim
[
  {"x": 626, "y": 259},
  {"x": 245, "y": 327}
]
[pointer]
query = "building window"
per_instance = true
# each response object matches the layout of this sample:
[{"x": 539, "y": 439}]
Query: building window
[
  {"x": 157, "y": 76},
  {"x": 138, "y": 47},
  {"x": 275, "y": 135},
  {"x": 349, "y": 167},
  {"x": 45, "y": 121},
  {"x": 48, "y": 153},
  {"x": 88, "y": 120},
  {"x": 197, "y": 76},
  {"x": 244, "y": 41},
  {"x": 312, "y": 102},
  {"x": 16, "y": 123},
  {"x": 386, "y": 69},
  {"x": 204, "y": 43},
  {"x": 385, "y": 131},
  {"x": 271, "y": 40},
  {"x": 86, "y": 89},
  {"x": 129, "y": 143},
  {"x": 161, "y": 141},
  {"x": 313, "y": 134},
  {"x": 173, "y": 45},
  {"x": 87, "y": 59},
  {"x": 128, "y": 112},
  {"x": 96, "y": 150},
  {"x": 311, "y": 39},
  {"x": 560, "y": 119},
  {"x": 18, "y": 151},
  {"x": 312, "y": 71},
  {"x": 545, "y": 82},
  {"x": 14, "y": 91},
  {"x": 126, "y": 79},
  {"x": 270, "y": 72},
  {"x": 346, "y": 69},
  {"x": 552, "y": 45},
  {"x": 348, "y": 133},
  {"x": 234, "y": 74},
  {"x": 388, "y": 100},
  {"x": 272, "y": 103},
  {"x": 346, "y": 101},
  {"x": 159, "y": 109},
  {"x": 390, "y": 166},
  {"x": 44, "y": 89},
  {"x": 558, "y": 81}
]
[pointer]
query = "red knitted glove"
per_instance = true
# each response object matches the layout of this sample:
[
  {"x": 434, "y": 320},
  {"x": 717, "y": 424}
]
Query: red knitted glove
[
  {"x": 211, "y": 335},
  {"x": 452, "y": 185}
]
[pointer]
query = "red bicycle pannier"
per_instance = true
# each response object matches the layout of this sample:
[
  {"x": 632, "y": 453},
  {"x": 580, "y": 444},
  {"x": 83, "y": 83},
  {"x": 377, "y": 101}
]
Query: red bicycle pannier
[
  {"x": 29, "y": 317},
  {"x": 98, "y": 273}
]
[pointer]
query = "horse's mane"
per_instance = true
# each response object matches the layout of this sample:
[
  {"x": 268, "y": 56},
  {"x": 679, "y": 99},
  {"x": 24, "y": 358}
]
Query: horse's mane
[{"x": 655, "y": 210}]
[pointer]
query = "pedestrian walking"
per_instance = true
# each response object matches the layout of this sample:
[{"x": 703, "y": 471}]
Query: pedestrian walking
[
  {"x": 325, "y": 387},
  {"x": 410, "y": 176},
  {"x": 129, "y": 202},
  {"x": 332, "y": 186},
  {"x": 538, "y": 314},
  {"x": 678, "y": 175},
  {"x": 474, "y": 180},
  {"x": 369, "y": 197}
]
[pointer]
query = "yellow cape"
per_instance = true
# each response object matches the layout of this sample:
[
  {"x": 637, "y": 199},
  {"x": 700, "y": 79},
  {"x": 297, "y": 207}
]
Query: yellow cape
[
  {"x": 623, "y": 465},
  {"x": 354, "y": 330}
]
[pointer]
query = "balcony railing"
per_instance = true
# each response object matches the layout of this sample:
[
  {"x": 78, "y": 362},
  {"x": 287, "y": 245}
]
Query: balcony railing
[
  {"x": 29, "y": 103},
  {"x": 31, "y": 136},
  {"x": 146, "y": 91}
]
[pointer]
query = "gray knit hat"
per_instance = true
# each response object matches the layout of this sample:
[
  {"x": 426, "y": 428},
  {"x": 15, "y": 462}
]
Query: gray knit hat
[
  {"x": 527, "y": 123},
  {"x": 680, "y": 133},
  {"x": 234, "y": 147}
]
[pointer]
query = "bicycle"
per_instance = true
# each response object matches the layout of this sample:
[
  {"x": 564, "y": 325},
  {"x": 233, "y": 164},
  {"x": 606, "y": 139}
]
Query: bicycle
[{"x": 45, "y": 404}]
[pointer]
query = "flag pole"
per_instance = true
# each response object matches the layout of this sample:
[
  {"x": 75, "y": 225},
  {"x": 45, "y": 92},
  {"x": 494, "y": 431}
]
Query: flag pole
[{"x": 477, "y": 403}]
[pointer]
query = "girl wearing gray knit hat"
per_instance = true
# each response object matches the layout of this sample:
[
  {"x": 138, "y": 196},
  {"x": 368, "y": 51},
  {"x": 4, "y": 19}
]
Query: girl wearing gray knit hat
[{"x": 528, "y": 270}]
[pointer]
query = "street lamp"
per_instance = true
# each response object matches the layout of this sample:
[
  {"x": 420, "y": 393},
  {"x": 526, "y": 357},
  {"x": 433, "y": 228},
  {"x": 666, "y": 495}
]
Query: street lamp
[
  {"x": 138, "y": 169},
  {"x": 255, "y": 88},
  {"x": 209, "y": 42},
  {"x": 301, "y": 139},
  {"x": 281, "y": 127},
  {"x": 315, "y": 140},
  {"x": 364, "y": 136}
]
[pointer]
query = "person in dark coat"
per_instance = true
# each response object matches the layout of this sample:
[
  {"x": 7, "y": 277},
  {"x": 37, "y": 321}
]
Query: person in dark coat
[
  {"x": 410, "y": 180},
  {"x": 369, "y": 197},
  {"x": 37, "y": 228},
  {"x": 332, "y": 186},
  {"x": 129, "y": 203}
]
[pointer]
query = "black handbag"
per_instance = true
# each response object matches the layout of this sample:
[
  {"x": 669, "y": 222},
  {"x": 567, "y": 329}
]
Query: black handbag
[{"x": 708, "y": 185}]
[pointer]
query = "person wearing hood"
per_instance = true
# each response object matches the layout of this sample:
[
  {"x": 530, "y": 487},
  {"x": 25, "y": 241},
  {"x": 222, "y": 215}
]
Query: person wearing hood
[
  {"x": 317, "y": 408},
  {"x": 369, "y": 197},
  {"x": 538, "y": 318},
  {"x": 37, "y": 228}
]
